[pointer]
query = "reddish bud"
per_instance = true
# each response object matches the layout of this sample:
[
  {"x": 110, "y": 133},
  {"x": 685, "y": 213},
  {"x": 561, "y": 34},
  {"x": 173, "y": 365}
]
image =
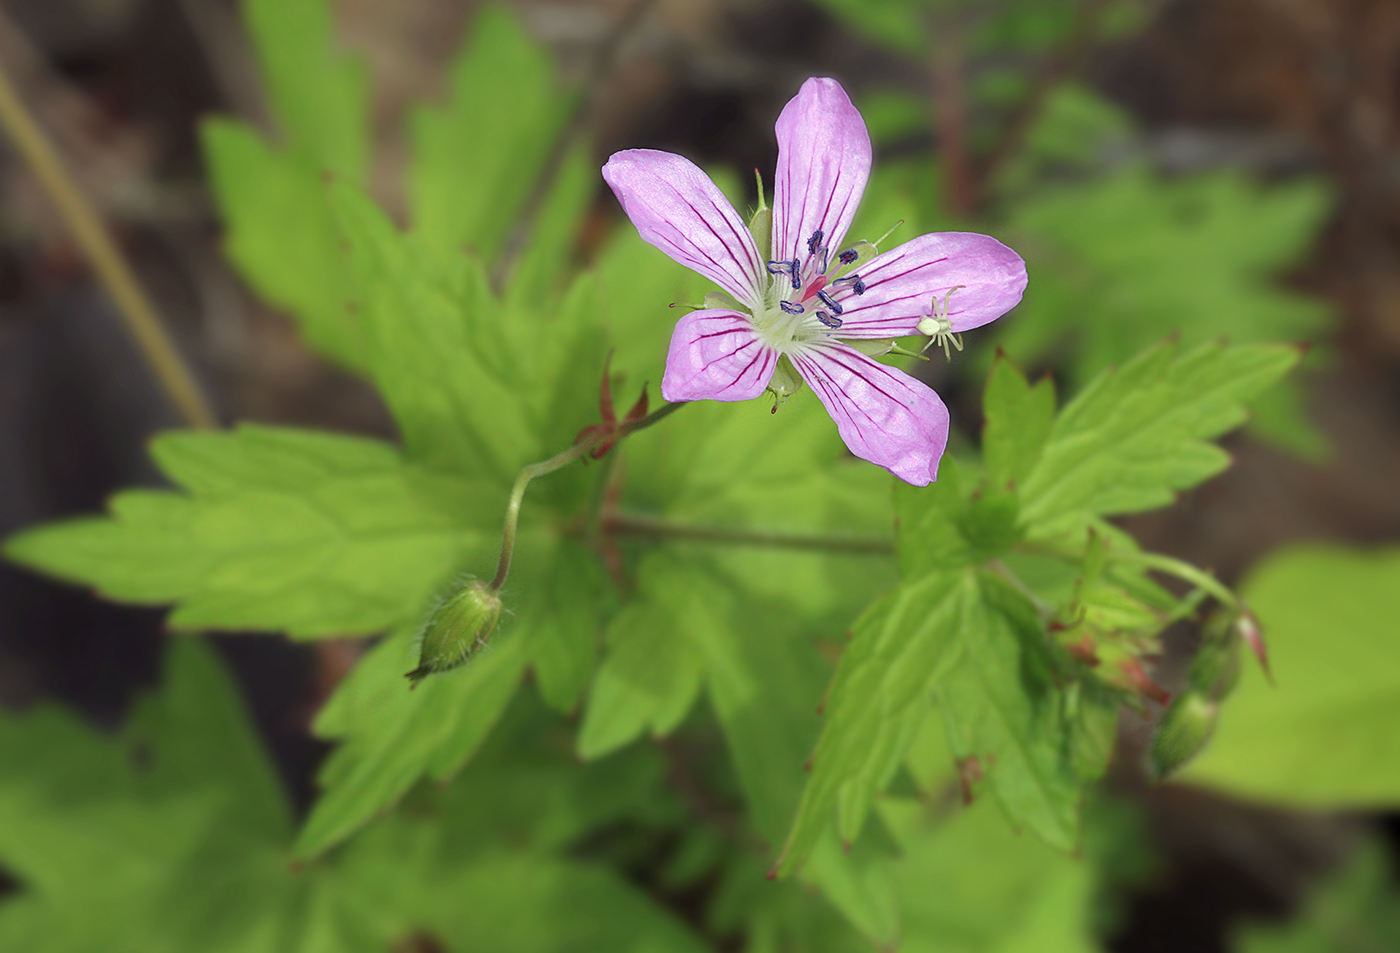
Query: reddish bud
[{"x": 1247, "y": 625}]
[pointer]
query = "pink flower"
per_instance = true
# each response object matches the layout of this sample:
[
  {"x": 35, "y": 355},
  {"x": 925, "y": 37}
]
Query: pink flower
[{"x": 799, "y": 308}]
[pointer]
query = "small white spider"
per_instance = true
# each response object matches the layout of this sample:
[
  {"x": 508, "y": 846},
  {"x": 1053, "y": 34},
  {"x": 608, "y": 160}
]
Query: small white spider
[{"x": 939, "y": 327}]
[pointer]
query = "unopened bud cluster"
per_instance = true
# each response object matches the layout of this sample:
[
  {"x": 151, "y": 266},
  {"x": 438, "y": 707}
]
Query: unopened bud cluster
[{"x": 1187, "y": 726}]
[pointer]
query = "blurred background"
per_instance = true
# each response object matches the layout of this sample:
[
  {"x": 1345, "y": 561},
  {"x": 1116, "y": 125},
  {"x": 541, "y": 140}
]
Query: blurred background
[{"x": 1169, "y": 146}]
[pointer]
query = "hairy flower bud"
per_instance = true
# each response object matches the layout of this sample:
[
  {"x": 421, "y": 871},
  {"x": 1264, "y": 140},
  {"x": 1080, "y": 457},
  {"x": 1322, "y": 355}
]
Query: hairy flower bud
[
  {"x": 457, "y": 628},
  {"x": 1216, "y": 667},
  {"x": 1183, "y": 731}
]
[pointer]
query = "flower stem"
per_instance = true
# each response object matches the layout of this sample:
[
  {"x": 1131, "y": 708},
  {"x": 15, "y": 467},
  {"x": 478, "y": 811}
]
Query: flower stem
[
  {"x": 557, "y": 462},
  {"x": 1186, "y": 572},
  {"x": 1169, "y": 565},
  {"x": 633, "y": 524},
  {"x": 1042, "y": 607},
  {"x": 97, "y": 245}
]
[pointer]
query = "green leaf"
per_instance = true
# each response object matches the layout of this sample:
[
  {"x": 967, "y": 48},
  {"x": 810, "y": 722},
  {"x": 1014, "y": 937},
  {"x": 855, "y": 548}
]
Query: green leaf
[
  {"x": 953, "y": 523},
  {"x": 1195, "y": 255},
  {"x": 560, "y": 618},
  {"x": 278, "y": 530},
  {"x": 1017, "y": 422},
  {"x": 1320, "y": 736},
  {"x": 878, "y": 700},
  {"x": 656, "y": 661},
  {"x": 997, "y": 892},
  {"x": 1136, "y": 434},
  {"x": 549, "y": 242},
  {"x": 1035, "y": 744},
  {"x": 1125, "y": 259},
  {"x": 281, "y": 236},
  {"x": 318, "y": 97},
  {"x": 392, "y": 736},
  {"x": 973, "y": 645},
  {"x": 477, "y": 161},
  {"x": 280, "y": 232},
  {"x": 166, "y": 839},
  {"x": 525, "y": 904},
  {"x": 436, "y": 349}
]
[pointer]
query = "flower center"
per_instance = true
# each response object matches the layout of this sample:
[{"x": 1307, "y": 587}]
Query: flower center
[{"x": 801, "y": 304}]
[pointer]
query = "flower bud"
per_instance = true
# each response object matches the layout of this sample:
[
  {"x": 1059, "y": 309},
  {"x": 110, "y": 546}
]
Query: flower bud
[
  {"x": 1247, "y": 625},
  {"x": 457, "y": 628},
  {"x": 1183, "y": 732},
  {"x": 1216, "y": 667}
]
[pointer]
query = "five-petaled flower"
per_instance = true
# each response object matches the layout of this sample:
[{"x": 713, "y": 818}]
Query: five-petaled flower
[{"x": 808, "y": 304}]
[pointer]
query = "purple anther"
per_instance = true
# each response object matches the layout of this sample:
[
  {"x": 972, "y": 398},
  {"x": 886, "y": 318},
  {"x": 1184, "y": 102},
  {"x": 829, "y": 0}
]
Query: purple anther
[
  {"x": 828, "y": 320},
  {"x": 790, "y": 268},
  {"x": 857, "y": 284},
  {"x": 848, "y": 256},
  {"x": 814, "y": 242},
  {"x": 830, "y": 302},
  {"x": 791, "y": 307}
]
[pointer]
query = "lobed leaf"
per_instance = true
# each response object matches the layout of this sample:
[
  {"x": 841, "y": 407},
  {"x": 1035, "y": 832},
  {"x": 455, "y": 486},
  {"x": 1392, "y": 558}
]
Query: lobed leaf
[
  {"x": 897, "y": 650},
  {"x": 477, "y": 160},
  {"x": 281, "y": 237},
  {"x": 391, "y": 736},
  {"x": 318, "y": 97},
  {"x": 435, "y": 347},
  {"x": 1017, "y": 420},
  {"x": 276, "y": 530},
  {"x": 280, "y": 233},
  {"x": 1137, "y": 434},
  {"x": 1120, "y": 261}
]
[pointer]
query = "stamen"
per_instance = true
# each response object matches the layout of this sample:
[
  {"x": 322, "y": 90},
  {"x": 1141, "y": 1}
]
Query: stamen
[
  {"x": 829, "y": 321},
  {"x": 814, "y": 242},
  {"x": 790, "y": 268},
  {"x": 830, "y": 302},
  {"x": 791, "y": 308},
  {"x": 848, "y": 256}
]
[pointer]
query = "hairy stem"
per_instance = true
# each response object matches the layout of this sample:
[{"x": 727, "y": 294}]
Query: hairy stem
[
  {"x": 633, "y": 524},
  {"x": 1186, "y": 572},
  {"x": 558, "y": 462},
  {"x": 135, "y": 308},
  {"x": 1169, "y": 565}
]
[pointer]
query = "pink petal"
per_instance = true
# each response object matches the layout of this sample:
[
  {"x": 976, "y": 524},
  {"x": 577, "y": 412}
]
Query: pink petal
[
  {"x": 883, "y": 414},
  {"x": 900, "y": 285},
  {"x": 678, "y": 209},
  {"x": 823, "y": 165},
  {"x": 716, "y": 356}
]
